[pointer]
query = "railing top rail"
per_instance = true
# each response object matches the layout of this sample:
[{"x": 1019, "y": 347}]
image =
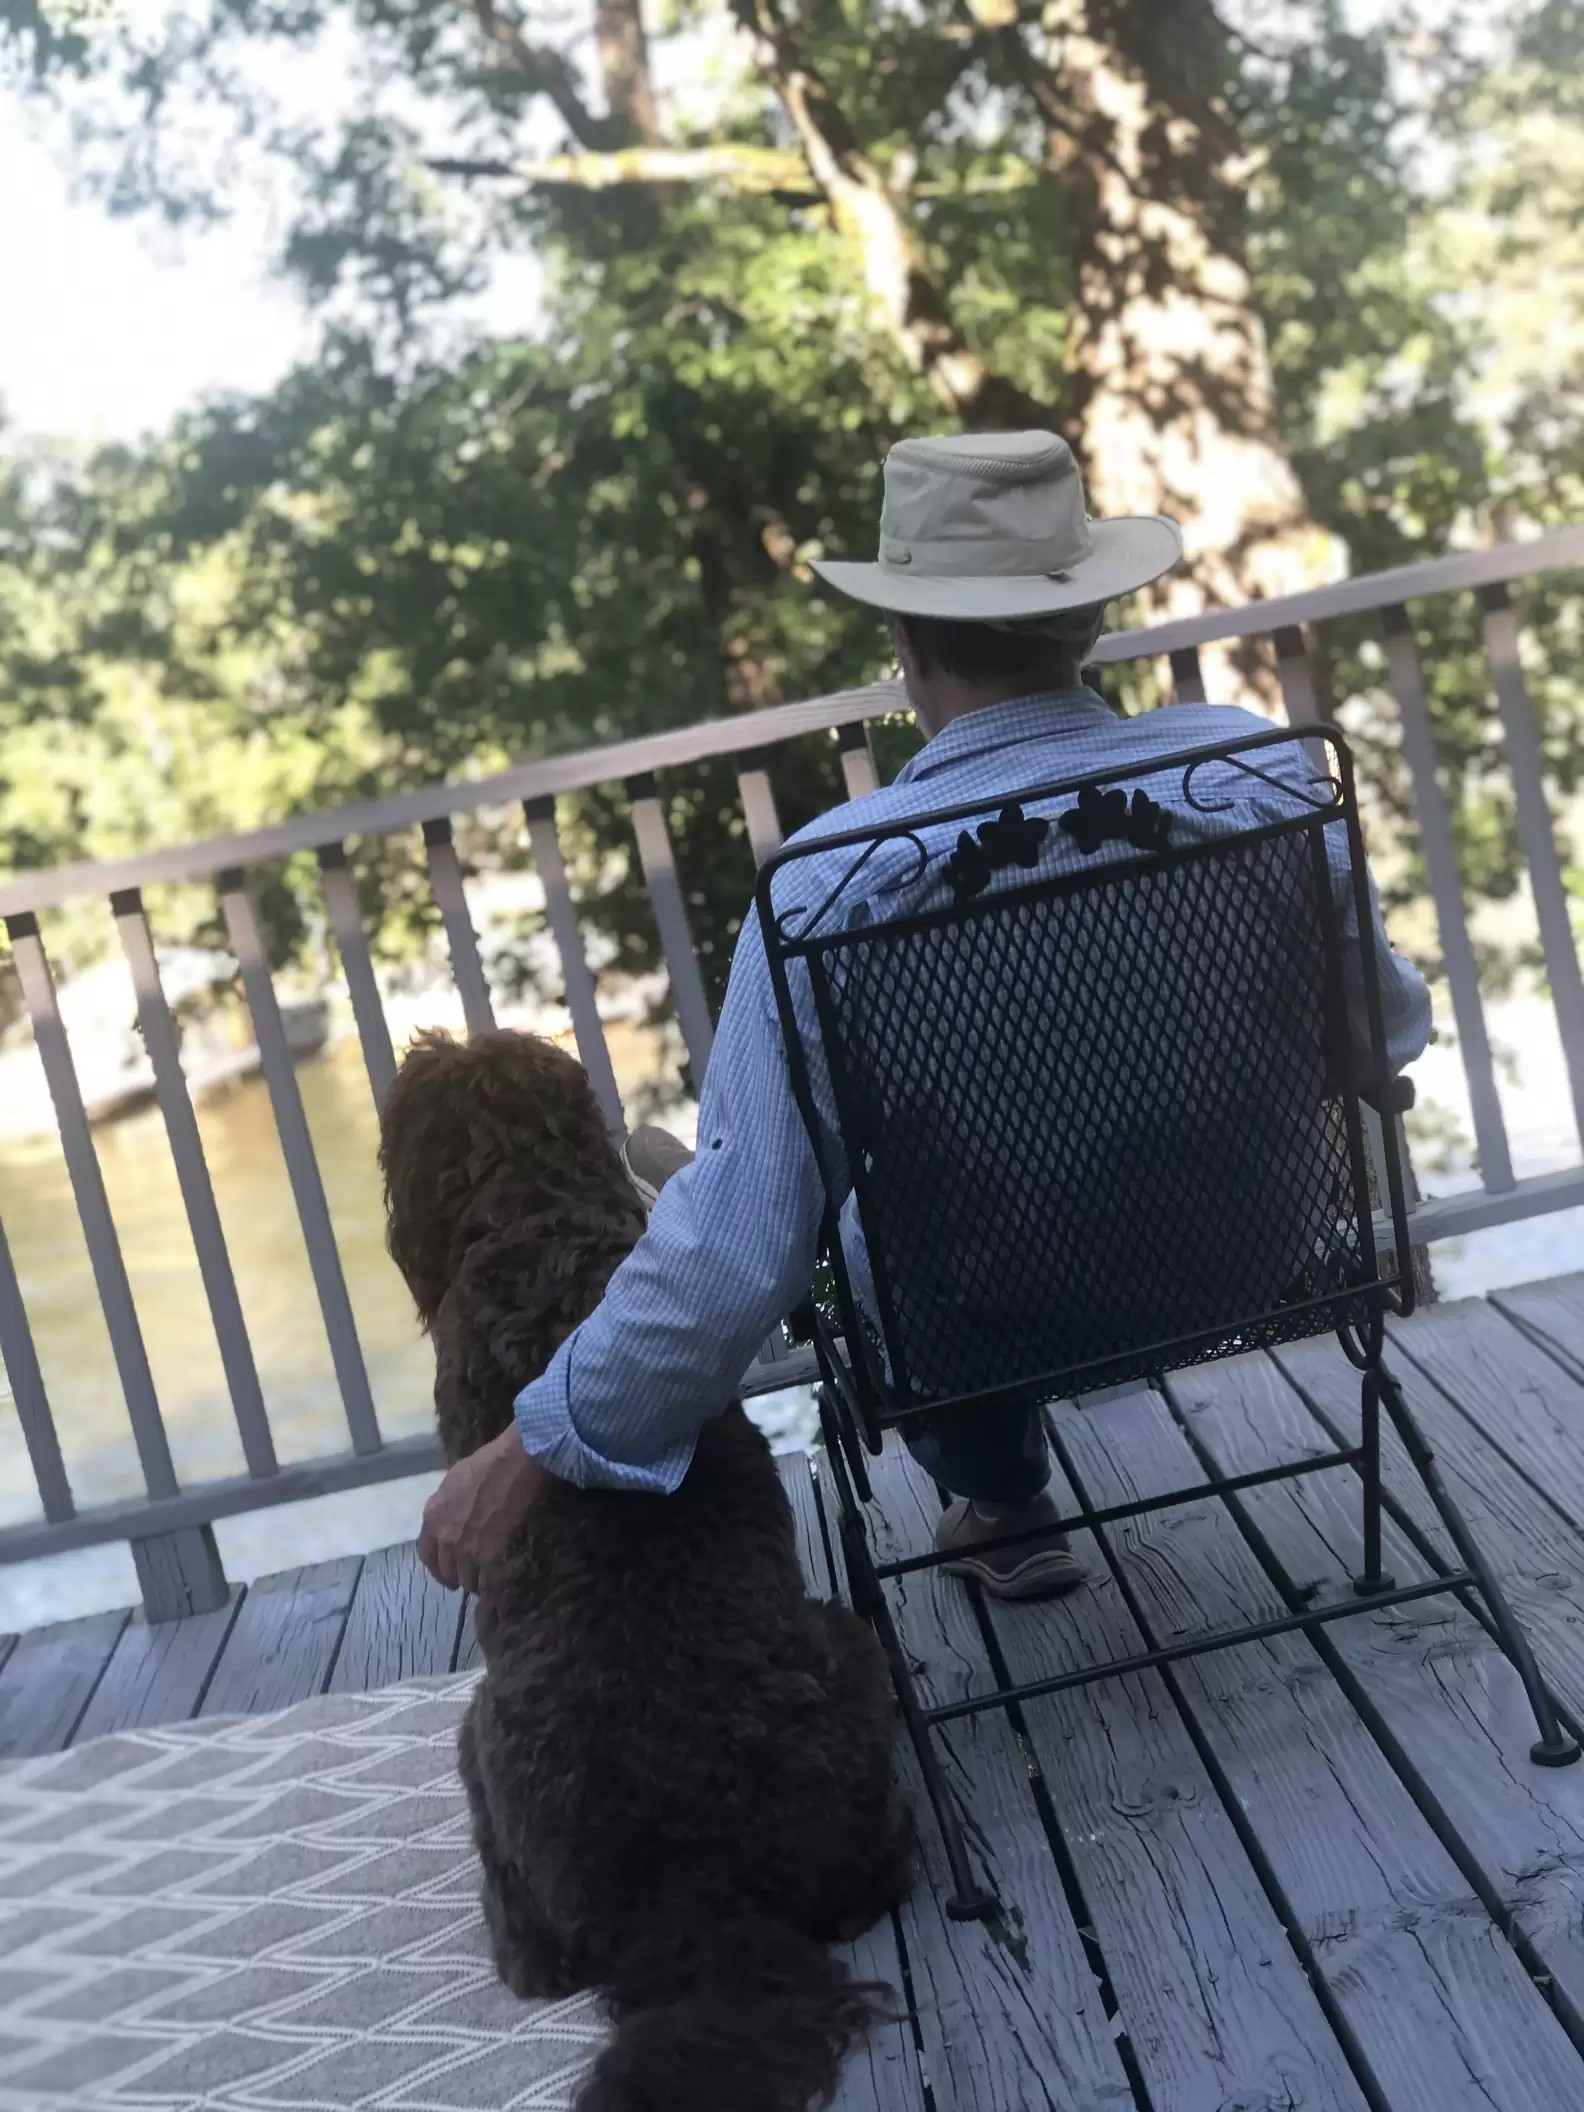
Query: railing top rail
[
  {"x": 548, "y": 776},
  {"x": 1458, "y": 573}
]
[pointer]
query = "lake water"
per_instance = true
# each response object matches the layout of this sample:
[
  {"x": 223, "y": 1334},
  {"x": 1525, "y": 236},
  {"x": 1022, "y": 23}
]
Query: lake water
[{"x": 288, "y": 1337}]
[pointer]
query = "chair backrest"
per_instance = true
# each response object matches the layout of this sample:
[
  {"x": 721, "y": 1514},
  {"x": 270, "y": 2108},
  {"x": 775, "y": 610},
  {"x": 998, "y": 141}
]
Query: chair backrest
[{"x": 1097, "y": 1123}]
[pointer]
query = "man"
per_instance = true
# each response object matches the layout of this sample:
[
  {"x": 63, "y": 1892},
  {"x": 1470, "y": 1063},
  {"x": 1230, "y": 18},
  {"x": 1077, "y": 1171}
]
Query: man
[{"x": 995, "y": 583}]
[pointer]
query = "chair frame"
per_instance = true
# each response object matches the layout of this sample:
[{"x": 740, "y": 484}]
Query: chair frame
[{"x": 857, "y": 1405}]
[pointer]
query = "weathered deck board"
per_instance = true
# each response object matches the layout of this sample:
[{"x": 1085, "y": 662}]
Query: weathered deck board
[
  {"x": 48, "y": 1679},
  {"x": 1010, "y": 2013},
  {"x": 284, "y": 1640},
  {"x": 882, "y": 2073},
  {"x": 797, "y": 1478},
  {"x": 1431, "y": 1676},
  {"x": 1215, "y": 2004},
  {"x": 1515, "y": 1395},
  {"x": 1013, "y": 2019},
  {"x": 1553, "y": 1312},
  {"x": 1538, "y": 1555},
  {"x": 1439, "y": 2006},
  {"x": 402, "y": 1625},
  {"x": 158, "y": 1674}
]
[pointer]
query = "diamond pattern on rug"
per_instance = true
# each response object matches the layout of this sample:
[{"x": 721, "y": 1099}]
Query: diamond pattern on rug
[{"x": 264, "y": 1914}]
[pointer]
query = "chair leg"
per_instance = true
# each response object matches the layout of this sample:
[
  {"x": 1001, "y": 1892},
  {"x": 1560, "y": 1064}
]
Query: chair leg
[
  {"x": 844, "y": 1450},
  {"x": 1554, "y": 1747},
  {"x": 969, "y": 1900},
  {"x": 1373, "y": 1578},
  {"x": 838, "y": 1429}
]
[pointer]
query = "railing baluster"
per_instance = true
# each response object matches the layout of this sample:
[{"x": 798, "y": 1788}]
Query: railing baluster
[
  {"x": 658, "y": 859},
  {"x": 302, "y": 1168},
  {"x": 346, "y": 921},
  {"x": 857, "y": 759},
  {"x": 93, "y": 1207},
  {"x": 1446, "y": 889},
  {"x": 577, "y": 979},
  {"x": 192, "y": 1177},
  {"x": 1295, "y": 671},
  {"x": 1187, "y": 676},
  {"x": 445, "y": 877},
  {"x": 1537, "y": 833},
  {"x": 27, "y": 1390},
  {"x": 759, "y": 809}
]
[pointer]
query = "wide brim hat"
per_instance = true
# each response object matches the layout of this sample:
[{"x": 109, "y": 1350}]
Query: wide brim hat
[{"x": 990, "y": 527}]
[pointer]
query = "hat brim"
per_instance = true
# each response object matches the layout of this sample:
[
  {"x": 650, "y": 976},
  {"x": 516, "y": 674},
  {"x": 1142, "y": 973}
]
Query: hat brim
[{"x": 1125, "y": 555}]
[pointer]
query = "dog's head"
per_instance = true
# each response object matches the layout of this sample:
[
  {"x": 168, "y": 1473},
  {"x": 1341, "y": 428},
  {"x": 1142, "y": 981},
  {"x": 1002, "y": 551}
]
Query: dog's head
[{"x": 481, "y": 1137}]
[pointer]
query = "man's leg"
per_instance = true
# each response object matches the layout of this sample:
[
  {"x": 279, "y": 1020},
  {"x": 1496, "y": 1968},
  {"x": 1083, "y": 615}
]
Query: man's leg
[
  {"x": 651, "y": 1156},
  {"x": 997, "y": 1464}
]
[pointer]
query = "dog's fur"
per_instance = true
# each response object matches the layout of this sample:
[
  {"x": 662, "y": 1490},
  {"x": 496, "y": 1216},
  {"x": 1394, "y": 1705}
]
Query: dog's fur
[{"x": 679, "y": 1766}]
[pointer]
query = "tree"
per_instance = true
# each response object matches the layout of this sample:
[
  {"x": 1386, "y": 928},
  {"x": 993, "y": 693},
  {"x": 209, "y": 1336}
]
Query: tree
[
  {"x": 1207, "y": 248},
  {"x": 1012, "y": 215}
]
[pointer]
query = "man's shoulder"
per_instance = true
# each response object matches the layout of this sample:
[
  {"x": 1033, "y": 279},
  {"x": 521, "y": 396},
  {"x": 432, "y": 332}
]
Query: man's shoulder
[
  {"x": 889, "y": 803},
  {"x": 1192, "y": 726}
]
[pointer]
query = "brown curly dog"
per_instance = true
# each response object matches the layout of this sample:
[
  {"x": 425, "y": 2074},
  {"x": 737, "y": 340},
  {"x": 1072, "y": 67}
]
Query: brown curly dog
[{"x": 679, "y": 1766}]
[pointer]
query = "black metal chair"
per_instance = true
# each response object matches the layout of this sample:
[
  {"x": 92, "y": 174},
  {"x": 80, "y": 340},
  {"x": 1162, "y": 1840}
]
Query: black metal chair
[{"x": 1102, "y": 1117}]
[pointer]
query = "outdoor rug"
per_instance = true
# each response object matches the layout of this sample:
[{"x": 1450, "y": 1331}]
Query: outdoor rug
[{"x": 264, "y": 1914}]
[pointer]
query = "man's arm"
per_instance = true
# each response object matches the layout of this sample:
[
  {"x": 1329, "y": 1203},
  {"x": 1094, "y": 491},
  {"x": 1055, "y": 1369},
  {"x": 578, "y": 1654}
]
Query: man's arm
[
  {"x": 729, "y": 1251},
  {"x": 1405, "y": 1001}
]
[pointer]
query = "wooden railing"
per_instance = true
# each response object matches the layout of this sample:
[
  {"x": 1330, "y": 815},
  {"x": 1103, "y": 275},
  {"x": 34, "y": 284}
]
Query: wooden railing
[{"x": 170, "y": 1527}]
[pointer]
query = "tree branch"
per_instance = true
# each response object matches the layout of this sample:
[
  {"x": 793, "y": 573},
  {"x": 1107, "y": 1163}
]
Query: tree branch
[
  {"x": 623, "y": 47},
  {"x": 778, "y": 171},
  {"x": 774, "y": 172},
  {"x": 902, "y": 288},
  {"x": 542, "y": 72}
]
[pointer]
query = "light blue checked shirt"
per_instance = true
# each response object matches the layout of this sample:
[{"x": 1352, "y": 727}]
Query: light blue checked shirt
[{"x": 731, "y": 1247}]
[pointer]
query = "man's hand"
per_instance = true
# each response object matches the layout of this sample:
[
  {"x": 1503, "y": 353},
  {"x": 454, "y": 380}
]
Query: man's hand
[{"x": 470, "y": 1517}]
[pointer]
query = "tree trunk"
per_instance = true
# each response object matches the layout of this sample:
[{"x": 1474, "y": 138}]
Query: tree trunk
[
  {"x": 623, "y": 50},
  {"x": 1171, "y": 403}
]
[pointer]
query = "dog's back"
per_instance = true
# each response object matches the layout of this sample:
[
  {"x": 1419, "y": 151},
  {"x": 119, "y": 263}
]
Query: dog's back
[{"x": 697, "y": 1763}]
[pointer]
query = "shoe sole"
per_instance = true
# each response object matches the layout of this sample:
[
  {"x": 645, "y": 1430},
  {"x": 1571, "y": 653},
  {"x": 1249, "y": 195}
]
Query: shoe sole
[
  {"x": 1039, "y": 1579},
  {"x": 648, "y": 1194}
]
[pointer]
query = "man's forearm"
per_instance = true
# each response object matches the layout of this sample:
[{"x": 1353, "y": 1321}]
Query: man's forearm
[
  {"x": 729, "y": 1251},
  {"x": 625, "y": 1398}
]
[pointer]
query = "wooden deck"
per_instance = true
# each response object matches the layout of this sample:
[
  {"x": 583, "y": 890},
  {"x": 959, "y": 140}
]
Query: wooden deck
[{"x": 1315, "y": 1873}]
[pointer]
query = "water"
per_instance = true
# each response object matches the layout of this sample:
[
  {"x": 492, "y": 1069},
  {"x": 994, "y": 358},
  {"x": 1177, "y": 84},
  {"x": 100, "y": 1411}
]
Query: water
[{"x": 282, "y": 1312}]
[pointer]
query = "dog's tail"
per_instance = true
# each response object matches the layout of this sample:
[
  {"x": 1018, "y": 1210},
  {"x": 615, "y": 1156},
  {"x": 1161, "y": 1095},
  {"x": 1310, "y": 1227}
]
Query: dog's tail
[{"x": 731, "y": 2014}]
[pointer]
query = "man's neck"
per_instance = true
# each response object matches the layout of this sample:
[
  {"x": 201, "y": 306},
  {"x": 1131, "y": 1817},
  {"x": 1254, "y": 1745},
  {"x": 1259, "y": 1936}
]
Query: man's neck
[{"x": 956, "y": 700}]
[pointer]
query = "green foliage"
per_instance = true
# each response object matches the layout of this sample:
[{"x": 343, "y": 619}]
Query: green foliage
[{"x": 431, "y": 550}]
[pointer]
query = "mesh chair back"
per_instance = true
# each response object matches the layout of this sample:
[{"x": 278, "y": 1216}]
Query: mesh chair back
[{"x": 1095, "y": 1123}]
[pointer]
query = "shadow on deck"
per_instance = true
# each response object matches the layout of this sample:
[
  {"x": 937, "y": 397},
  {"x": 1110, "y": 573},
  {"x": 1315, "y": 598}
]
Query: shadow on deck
[{"x": 1317, "y": 1872}]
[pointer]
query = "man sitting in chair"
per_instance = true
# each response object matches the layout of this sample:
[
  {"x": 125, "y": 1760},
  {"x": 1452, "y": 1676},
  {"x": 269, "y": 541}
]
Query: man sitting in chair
[{"x": 995, "y": 583}]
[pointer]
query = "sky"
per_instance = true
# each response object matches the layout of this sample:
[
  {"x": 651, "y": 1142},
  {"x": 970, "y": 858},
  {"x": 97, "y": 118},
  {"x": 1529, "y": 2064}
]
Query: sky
[{"x": 108, "y": 326}]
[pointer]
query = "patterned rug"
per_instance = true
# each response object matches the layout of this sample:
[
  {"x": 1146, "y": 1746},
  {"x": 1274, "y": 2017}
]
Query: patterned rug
[{"x": 264, "y": 1914}]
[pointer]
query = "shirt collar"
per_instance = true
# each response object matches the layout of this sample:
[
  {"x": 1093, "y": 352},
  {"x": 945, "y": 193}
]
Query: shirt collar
[{"x": 1046, "y": 716}]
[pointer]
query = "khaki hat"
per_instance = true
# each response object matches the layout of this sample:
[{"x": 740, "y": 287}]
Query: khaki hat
[{"x": 983, "y": 527}]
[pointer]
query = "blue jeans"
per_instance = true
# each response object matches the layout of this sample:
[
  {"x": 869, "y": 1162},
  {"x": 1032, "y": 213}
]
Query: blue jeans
[
  {"x": 990, "y": 1455},
  {"x": 993, "y": 1455}
]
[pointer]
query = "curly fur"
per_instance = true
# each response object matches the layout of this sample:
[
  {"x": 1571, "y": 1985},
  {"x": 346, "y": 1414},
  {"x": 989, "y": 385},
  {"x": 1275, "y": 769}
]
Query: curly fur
[{"x": 678, "y": 1766}]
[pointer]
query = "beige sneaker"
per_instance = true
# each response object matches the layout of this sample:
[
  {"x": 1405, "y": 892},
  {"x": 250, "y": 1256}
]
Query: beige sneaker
[
  {"x": 651, "y": 1155},
  {"x": 1038, "y": 1569}
]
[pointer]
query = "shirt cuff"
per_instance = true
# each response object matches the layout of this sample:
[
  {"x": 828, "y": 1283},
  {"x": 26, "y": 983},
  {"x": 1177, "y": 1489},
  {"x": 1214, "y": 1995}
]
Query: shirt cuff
[{"x": 544, "y": 1423}]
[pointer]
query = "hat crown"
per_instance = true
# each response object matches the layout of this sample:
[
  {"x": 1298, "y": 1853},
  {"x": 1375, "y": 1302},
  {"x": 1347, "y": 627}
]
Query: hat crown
[{"x": 983, "y": 506}]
